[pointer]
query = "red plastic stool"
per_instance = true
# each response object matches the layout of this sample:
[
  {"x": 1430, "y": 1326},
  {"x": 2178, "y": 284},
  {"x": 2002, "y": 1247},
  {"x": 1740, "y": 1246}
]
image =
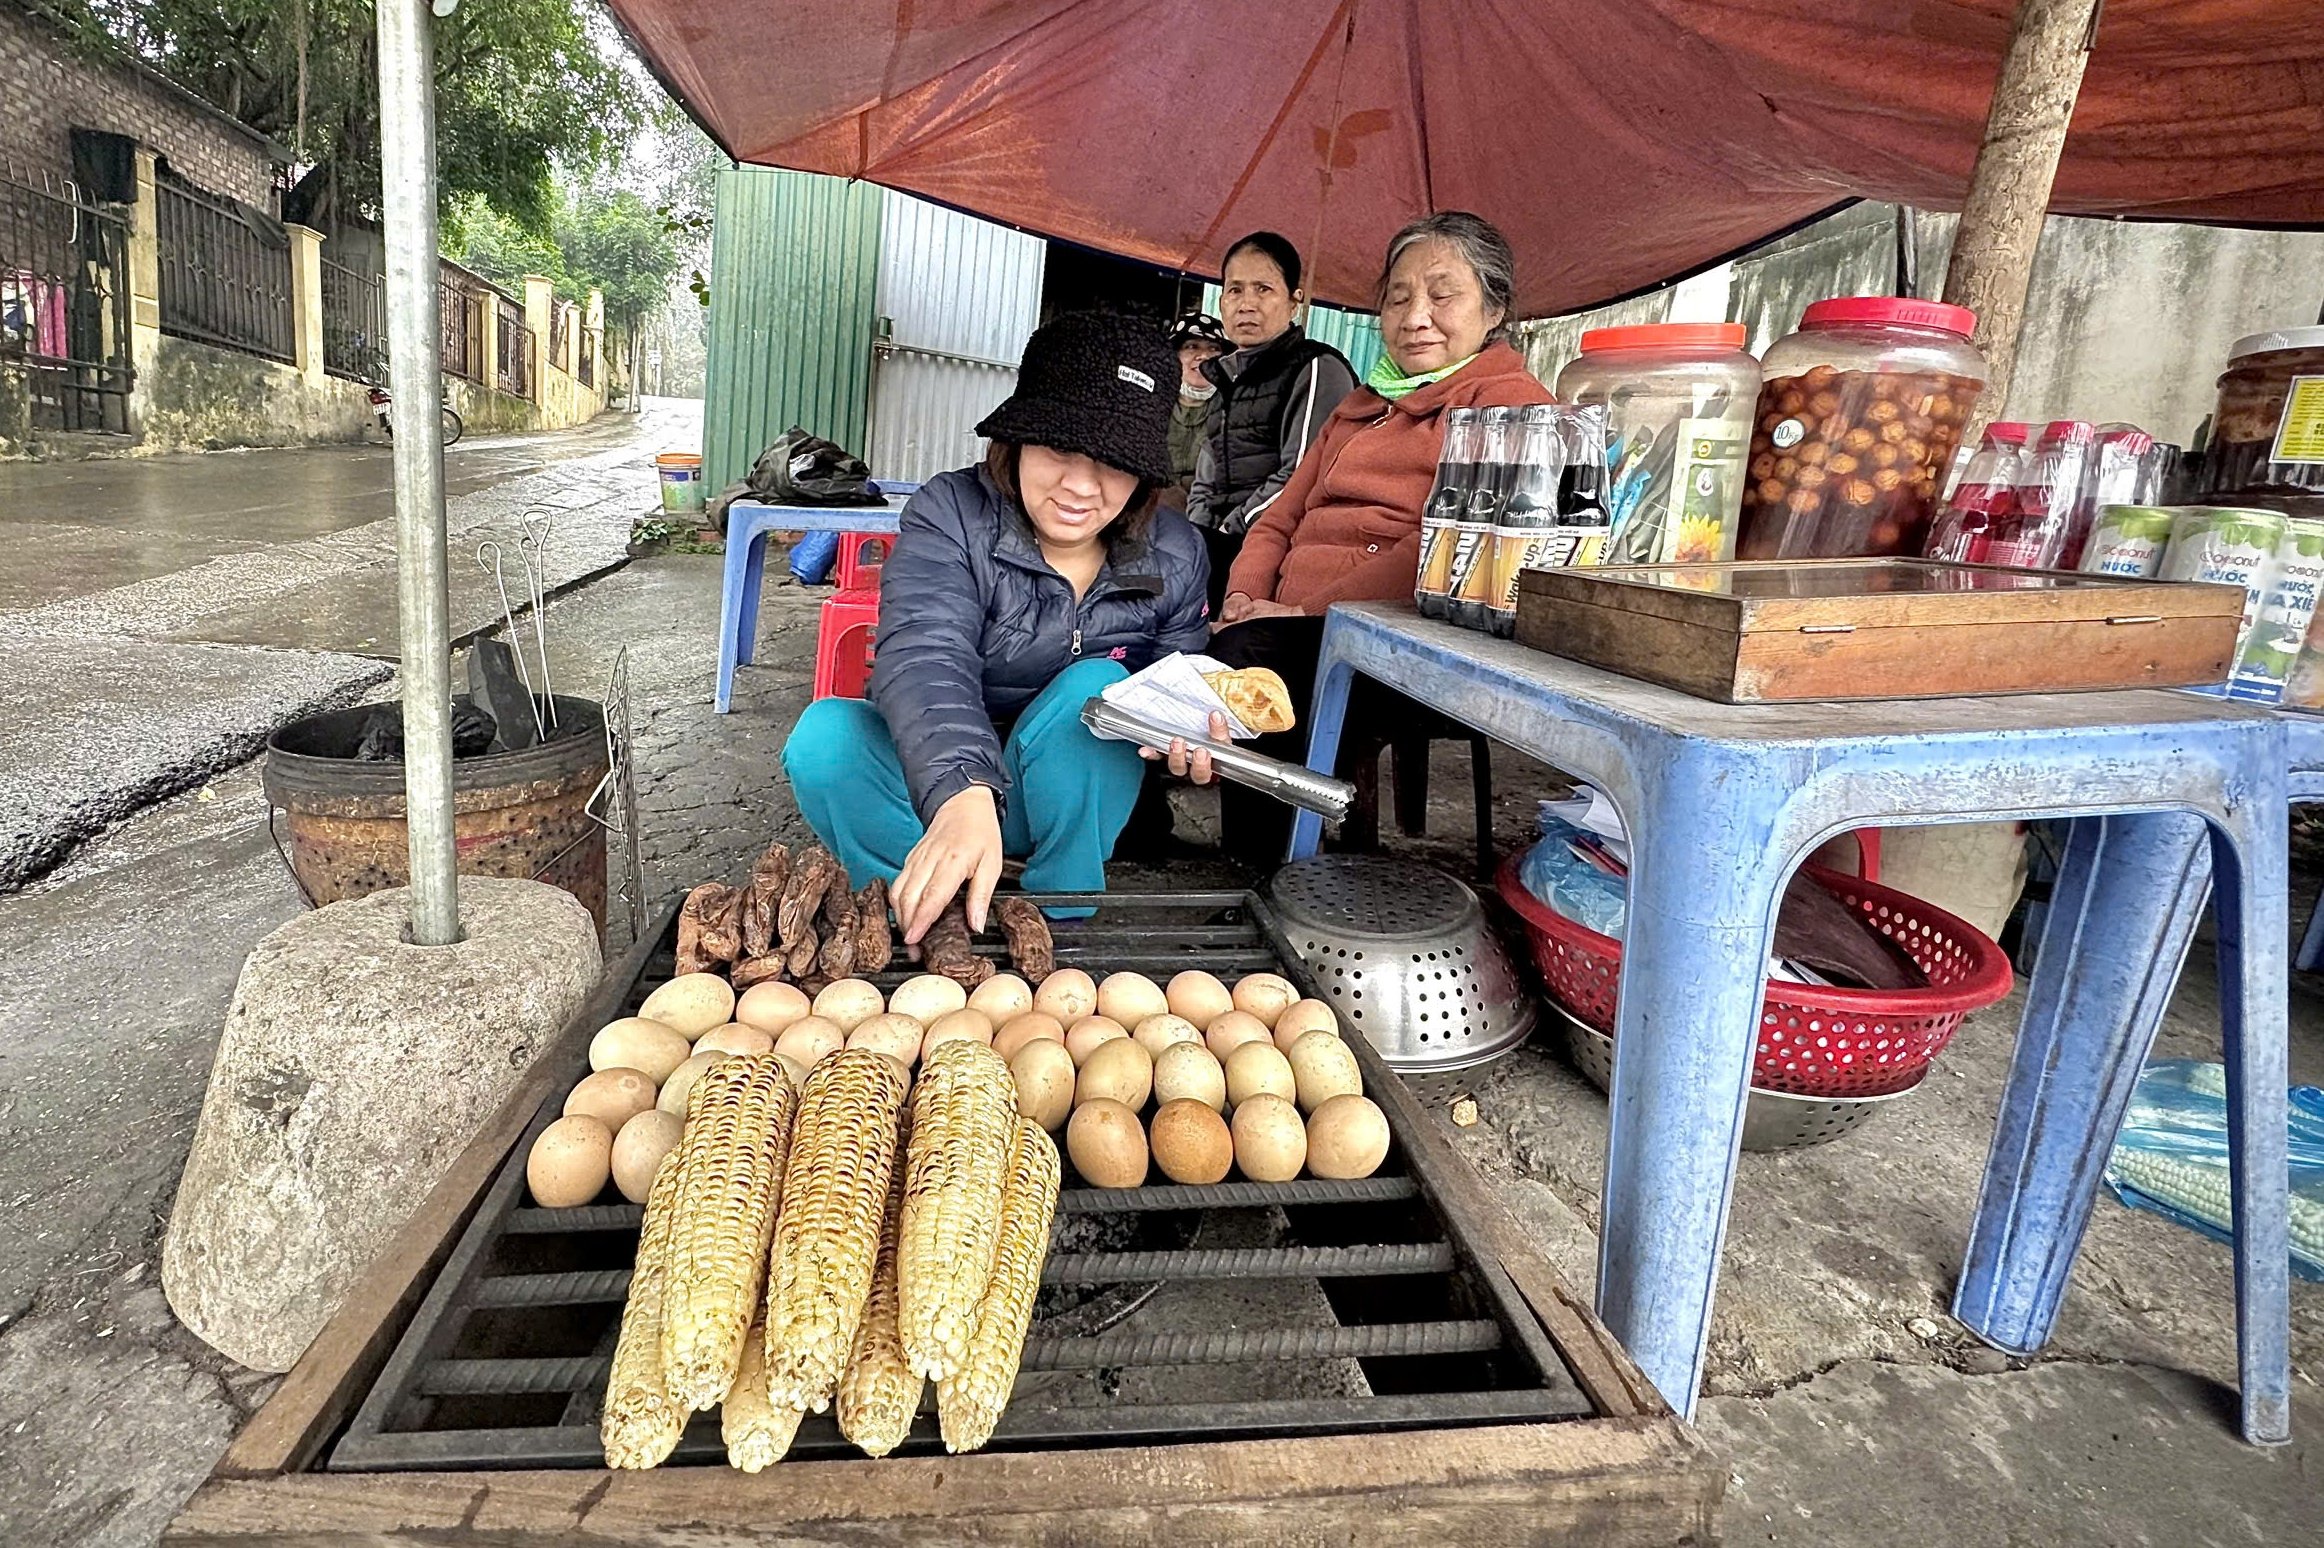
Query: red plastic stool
[
  {"x": 855, "y": 574},
  {"x": 843, "y": 643}
]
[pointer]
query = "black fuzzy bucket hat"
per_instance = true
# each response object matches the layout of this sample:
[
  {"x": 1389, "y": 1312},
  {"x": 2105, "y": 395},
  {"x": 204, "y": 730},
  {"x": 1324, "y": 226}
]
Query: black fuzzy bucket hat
[{"x": 1098, "y": 384}]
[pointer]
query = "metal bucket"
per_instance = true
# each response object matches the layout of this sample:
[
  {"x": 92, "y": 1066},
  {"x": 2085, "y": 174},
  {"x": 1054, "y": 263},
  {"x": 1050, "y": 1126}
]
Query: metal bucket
[{"x": 518, "y": 814}]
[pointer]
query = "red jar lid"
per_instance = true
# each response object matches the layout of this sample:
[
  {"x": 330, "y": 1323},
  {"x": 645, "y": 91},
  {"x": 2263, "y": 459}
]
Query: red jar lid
[
  {"x": 1666, "y": 336},
  {"x": 1891, "y": 309},
  {"x": 2010, "y": 430}
]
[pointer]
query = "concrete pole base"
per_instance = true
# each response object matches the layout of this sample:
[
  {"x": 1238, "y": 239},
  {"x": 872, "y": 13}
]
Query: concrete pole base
[{"x": 353, "y": 1069}]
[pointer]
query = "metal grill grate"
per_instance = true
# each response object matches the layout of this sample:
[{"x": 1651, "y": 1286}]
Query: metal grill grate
[{"x": 1168, "y": 1312}]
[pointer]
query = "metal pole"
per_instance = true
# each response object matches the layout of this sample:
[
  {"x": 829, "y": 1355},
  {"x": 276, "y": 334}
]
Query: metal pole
[{"x": 407, "y": 163}]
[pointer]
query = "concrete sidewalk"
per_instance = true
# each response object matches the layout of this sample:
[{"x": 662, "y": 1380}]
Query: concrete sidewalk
[{"x": 164, "y": 615}]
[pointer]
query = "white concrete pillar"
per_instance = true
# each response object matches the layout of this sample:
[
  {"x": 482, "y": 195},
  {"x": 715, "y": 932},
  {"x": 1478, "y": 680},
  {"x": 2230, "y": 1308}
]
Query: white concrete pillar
[{"x": 306, "y": 268}]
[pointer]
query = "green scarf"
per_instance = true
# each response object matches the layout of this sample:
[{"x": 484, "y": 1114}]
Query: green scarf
[{"x": 1392, "y": 384}]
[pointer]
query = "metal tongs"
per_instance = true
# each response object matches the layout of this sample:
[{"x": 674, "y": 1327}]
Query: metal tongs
[{"x": 1286, "y": 782}]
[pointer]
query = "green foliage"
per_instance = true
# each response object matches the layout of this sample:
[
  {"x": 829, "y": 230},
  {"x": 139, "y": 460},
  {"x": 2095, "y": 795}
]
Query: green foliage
[
  {"x": 617, "y": 244},
  {"x": 497, "y": 247},
  {"x": 521, "y": 86},
  {"x": 610, "y": 241}
]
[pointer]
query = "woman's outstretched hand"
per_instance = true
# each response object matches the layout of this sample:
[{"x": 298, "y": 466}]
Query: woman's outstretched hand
[
  {"x": 1190, "y": 764},
  {"x": 963, "y": 845}
]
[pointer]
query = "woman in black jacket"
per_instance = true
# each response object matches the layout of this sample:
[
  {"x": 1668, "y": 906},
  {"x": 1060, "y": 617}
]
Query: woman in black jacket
[
  {"x": 1016, "y": 590},
  {"x": 1275, "y": 391}
]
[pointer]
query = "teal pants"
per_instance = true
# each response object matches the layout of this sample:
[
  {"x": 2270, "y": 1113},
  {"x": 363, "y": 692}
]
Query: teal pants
[{"x": 1069, "y": 791}]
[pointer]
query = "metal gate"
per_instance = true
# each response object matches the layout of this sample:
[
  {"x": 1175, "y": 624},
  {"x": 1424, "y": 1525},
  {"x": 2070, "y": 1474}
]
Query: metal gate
[
  {"x": 64, "y": 302},
  {"x": 958, "y": 297}
]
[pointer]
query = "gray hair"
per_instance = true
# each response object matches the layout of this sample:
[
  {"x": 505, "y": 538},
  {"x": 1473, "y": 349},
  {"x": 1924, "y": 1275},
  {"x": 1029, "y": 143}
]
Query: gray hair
[{"x": 1481, "y": 246}]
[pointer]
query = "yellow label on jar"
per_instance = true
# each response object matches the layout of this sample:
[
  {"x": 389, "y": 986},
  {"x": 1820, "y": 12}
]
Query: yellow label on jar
[{"x": 2300, "y": 430}]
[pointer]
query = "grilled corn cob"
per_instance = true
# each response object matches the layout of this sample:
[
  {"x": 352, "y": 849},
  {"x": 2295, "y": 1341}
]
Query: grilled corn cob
[
  {"x": 642, "y": 1423},
  {"x": 757, "y": 1433},
  {"x": 969, "y": 1403},
  {"x": 738, "y": 1124},
  {"x": 964, "y": 1117},
  {"x": 880, "y": 1393},
  {"x": 835, "y": 1190}
]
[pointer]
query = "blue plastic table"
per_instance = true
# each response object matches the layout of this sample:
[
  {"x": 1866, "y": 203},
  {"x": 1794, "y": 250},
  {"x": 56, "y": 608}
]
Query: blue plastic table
[
  {"x": 747, "y": 524},
  {"x": 1723, "y": 801}
]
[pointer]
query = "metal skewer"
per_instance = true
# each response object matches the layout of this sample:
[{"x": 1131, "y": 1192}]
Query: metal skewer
[
  {"x": 533, "y": 551},
  {"x": 493, "y": 567}
]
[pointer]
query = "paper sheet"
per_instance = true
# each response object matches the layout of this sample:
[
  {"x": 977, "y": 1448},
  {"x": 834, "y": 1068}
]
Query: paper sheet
[
  {"x": 1589, "y": 810},
  {"x": 1172, "y": 693}
]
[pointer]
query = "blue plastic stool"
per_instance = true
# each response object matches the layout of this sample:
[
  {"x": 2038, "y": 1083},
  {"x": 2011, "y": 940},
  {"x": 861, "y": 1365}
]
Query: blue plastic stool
[
  {"x": 747, "y": 524},
  {"x": 1722, "y": 801}
]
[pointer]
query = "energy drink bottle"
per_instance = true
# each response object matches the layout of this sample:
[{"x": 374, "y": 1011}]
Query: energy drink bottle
[
  {"x": 1448, "y": 501},
  {"x": 1471, "y": 583},
  {"x": 1527, "y": 524}
]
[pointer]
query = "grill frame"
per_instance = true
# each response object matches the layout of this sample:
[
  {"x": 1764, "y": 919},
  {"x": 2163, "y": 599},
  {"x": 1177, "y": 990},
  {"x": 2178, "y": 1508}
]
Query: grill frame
[
  {"x": 429, "y": 1372},
  {"x": 1634, "y": 1476}
]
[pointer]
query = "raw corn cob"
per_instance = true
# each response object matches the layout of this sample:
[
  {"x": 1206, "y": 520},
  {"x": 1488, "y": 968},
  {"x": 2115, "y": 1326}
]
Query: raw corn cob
[
  {"x": 835, "y": 1191},
  {"x": 2199, "y": 1187},
  {"x": 880, "y": 1392},
  {"x": 738, "y": 1125},
  {"x": 756, "y": 1432},
  {"x": 964, "y": 1121},
  {"x": 642, "y": 1423},
  {"x": 969, "y": 1403}
]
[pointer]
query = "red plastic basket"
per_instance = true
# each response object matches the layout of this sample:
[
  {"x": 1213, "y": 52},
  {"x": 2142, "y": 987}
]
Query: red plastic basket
[{"x": 1813, "y": 1041}]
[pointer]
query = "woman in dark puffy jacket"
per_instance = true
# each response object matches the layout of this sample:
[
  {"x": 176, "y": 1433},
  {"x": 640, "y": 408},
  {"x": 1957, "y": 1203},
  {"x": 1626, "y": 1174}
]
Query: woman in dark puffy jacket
[{"x": 1016, "y": 590}]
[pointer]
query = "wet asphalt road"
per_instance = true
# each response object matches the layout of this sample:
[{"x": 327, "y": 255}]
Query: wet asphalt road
[{"x": 160, "y": 616}]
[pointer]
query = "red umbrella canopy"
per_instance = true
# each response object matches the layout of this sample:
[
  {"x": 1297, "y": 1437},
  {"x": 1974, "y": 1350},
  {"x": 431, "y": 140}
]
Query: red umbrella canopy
[{"x": 1618, "y": 144}]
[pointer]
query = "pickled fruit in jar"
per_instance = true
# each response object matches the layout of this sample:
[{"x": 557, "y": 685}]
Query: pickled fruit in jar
[{"x": 1846, "y": 464}]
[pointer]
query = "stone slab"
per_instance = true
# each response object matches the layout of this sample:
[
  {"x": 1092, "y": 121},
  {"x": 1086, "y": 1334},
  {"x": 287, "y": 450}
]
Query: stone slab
[
  {"x": 92, "y": 730},
  {"x": 352, "y": 1071}
]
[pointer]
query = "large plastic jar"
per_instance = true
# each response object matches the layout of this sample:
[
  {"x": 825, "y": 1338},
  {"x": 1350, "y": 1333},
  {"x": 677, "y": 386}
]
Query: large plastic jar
[
  {"x": 2267, "y": 436},
  {"x": 1859, "y": 415},
  {"x": 1678, "y": 400}
]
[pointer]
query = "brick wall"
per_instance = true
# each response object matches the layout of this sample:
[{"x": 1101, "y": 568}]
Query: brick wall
[{"x": 47, "y": 89}]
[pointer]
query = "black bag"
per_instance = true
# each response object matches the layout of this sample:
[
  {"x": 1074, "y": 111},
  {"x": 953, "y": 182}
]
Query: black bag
[{"x": 802, "y": 469}]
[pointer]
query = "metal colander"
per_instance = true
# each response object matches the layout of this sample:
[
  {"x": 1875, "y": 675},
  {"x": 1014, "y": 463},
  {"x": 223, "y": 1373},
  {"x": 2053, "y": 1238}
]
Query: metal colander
[
  {"x": 1403, "y": 952},
  {"x": 1772, "y": 1120}
]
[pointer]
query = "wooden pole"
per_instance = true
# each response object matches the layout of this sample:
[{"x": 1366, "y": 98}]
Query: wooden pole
[{"x": 2001, "y": 223}]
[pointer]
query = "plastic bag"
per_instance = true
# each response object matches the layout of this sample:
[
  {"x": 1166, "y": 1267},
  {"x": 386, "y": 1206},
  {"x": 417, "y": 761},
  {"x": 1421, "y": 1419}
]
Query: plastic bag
[
  {"x": 2171, "y": 1157},
  {"x": 813, "y": 556},
  {"x": 1557, "y": 872},
  {"x": 805, "y": 469}
]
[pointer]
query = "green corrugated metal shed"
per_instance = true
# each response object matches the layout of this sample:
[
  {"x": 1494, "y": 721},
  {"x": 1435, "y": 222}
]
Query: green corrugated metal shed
[
  {"x": 794, "y": 266},
  {"x": 1354, "y": 334}
]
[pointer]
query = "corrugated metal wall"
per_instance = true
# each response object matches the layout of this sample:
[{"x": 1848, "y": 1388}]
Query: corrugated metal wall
[
  {"x": 958, "y": 298},
  {"x": 794, "y": 266},
  {"x": 1354, "y": 334}
]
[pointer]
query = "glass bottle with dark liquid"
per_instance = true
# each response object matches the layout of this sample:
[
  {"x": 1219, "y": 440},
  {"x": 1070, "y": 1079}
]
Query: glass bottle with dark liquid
[
  {"x": 1448, "y": 502},
  {"x": 1526, "y": 528},
  {"x": 1471, "y": 582},
  {"x": 1584, "y": 528}
]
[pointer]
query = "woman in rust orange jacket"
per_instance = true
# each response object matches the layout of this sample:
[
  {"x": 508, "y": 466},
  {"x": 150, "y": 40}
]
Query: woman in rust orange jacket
[{"x": 1347, "y": 526}]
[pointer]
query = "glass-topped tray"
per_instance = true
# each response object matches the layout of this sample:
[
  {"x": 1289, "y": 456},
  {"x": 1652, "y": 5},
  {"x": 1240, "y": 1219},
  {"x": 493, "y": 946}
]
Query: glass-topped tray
[
  {"x": 1764, "y": 578},
  {"x": 1815, "y": 629}
]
